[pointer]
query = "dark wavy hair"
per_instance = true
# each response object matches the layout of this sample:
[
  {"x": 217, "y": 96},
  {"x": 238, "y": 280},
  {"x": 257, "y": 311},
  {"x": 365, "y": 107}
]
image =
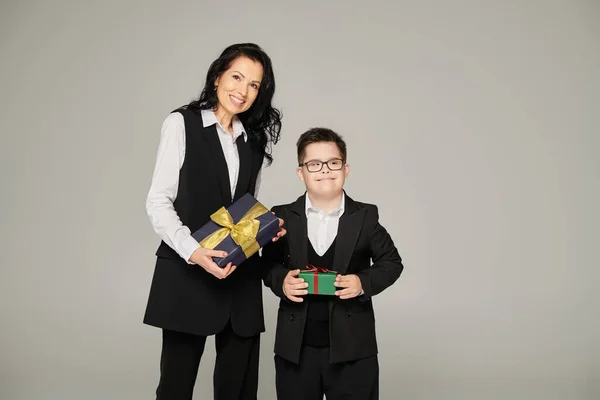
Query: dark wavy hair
[
  {"x": 262, "y": 121},
  {"x": 318, "y": 135}
]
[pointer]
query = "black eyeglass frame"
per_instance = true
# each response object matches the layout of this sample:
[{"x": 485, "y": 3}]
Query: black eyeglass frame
[{"x": 305, "y": 164}]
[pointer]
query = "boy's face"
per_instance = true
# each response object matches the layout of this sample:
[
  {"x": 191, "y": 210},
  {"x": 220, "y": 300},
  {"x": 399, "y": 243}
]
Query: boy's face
[{"x": 326, "y": 182}]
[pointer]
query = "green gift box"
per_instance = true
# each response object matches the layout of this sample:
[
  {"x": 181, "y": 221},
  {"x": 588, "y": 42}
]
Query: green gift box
[{"x": 320, "y": 280}]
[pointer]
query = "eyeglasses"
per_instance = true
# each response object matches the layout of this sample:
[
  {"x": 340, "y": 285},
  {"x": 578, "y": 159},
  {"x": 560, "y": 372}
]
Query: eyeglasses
[{"x": 315, "y": 166}]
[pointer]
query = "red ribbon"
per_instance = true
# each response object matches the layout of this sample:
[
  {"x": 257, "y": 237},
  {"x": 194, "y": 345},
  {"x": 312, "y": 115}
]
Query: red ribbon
[
  {"x": 316, "y": 271},
  {"x": 312, "y": 268}
]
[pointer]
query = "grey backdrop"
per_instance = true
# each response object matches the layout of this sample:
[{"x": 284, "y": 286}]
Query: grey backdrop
[{"x": 473, "y": 125}]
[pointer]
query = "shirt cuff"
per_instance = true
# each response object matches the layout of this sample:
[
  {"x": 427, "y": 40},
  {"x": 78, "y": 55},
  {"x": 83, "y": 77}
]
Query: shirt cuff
[{"x": 188, "y": 246}]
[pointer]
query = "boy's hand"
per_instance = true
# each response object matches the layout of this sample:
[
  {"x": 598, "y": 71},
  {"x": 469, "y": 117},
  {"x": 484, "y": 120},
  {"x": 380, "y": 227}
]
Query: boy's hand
[
  {"x": 293, "y": 287},
  {"x": 281, "y": 232},
  {"x": 351, "y": 286}
]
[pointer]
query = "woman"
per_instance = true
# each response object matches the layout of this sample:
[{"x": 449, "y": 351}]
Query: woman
[{"x": 211, "y": 152}]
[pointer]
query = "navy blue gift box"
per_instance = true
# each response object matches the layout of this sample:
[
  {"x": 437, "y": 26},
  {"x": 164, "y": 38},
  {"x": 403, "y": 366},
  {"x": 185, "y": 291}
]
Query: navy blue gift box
[{"x": 225, "y": 227}]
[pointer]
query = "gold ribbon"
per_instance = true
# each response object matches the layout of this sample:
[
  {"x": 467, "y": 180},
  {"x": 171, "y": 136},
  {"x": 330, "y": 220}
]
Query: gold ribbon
[{"x": 243, "y": 233}]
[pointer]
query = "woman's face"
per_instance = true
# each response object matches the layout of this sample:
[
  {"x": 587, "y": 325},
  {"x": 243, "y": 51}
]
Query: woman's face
[{"x": 238, "y": 86}]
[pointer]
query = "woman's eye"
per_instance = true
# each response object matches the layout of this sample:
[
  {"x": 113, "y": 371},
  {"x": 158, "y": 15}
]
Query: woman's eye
[
  {"x": 254, "y": 86},
  {"x": 236, "y": 77}
]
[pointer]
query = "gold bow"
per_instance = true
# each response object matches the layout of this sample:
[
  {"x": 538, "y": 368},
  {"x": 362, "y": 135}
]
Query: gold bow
[{"x": 243, "y": 233}]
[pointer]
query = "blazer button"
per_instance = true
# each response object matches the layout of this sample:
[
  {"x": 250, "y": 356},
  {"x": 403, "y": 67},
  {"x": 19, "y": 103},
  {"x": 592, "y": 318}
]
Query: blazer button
[{"x": 292, "y": 317}]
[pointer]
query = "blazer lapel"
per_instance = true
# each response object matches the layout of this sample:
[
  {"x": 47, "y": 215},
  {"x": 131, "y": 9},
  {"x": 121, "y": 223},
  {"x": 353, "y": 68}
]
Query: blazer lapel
[
  {"x": 297, "y": 235},
  {"x": 348, "y": 231},
  {"x": 212, "y": 139},
  {"x": 245, "y": 167}
]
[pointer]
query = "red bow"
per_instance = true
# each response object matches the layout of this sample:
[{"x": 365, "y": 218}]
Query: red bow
[{"x": 312, "y": 268}]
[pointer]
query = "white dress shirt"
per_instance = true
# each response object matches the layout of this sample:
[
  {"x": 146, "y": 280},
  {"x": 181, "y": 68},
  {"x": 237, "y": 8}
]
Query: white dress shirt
[
  {"x": 322, "y": 226},
  {"x": 165, "y": 180}
]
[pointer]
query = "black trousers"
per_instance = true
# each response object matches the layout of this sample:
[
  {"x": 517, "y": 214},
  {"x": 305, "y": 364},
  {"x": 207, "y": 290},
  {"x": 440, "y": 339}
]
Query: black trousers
[
  {"x": 236, "y": 367},
  {"x": 314, "y": 377}
]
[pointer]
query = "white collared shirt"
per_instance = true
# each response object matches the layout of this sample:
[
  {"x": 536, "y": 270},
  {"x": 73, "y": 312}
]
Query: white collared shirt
[
  {"x": 322, "y": 226},
  {"x": 227, "y": 143},
  {"x": 165, "y": 180}
]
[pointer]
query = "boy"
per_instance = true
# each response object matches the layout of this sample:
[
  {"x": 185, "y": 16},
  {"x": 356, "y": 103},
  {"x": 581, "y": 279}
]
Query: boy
[{"x": 325, "y": 345}]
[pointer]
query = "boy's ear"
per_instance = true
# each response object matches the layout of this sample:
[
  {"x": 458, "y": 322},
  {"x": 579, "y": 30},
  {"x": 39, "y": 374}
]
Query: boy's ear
[
  {"x": 346, "y": 169},
  {"x": 299, "y": 172}
]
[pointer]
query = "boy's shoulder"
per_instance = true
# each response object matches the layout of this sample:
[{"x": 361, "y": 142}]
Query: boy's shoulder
[
  {"x": 362, "y": 204},
  {"x": 350, "y": 203},
  {"x": 371, "y": 210},
  {"x": 287, "y": 206}
]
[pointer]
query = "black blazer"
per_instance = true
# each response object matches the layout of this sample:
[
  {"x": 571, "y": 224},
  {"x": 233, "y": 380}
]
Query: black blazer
[
  {"x": 360, "y": 238},
  {"x": 185, "y": 297}
]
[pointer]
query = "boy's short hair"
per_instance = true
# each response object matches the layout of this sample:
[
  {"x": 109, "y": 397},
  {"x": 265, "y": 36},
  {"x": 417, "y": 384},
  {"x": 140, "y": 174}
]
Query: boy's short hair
[{"x": 318, "y": 135}]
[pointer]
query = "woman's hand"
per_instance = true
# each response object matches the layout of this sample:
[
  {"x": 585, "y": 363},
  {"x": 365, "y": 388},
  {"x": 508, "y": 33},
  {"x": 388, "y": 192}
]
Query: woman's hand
[
  {"x": 203, "y": 257},
  {"x": 281, "y": 232}
]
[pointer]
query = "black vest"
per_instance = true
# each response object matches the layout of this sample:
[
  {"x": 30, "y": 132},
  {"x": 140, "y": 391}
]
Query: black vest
[
  {"x": 316, "y": 331},
  {"x": 185, "y": 297},
  {"x": 204, "y": 178}
]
